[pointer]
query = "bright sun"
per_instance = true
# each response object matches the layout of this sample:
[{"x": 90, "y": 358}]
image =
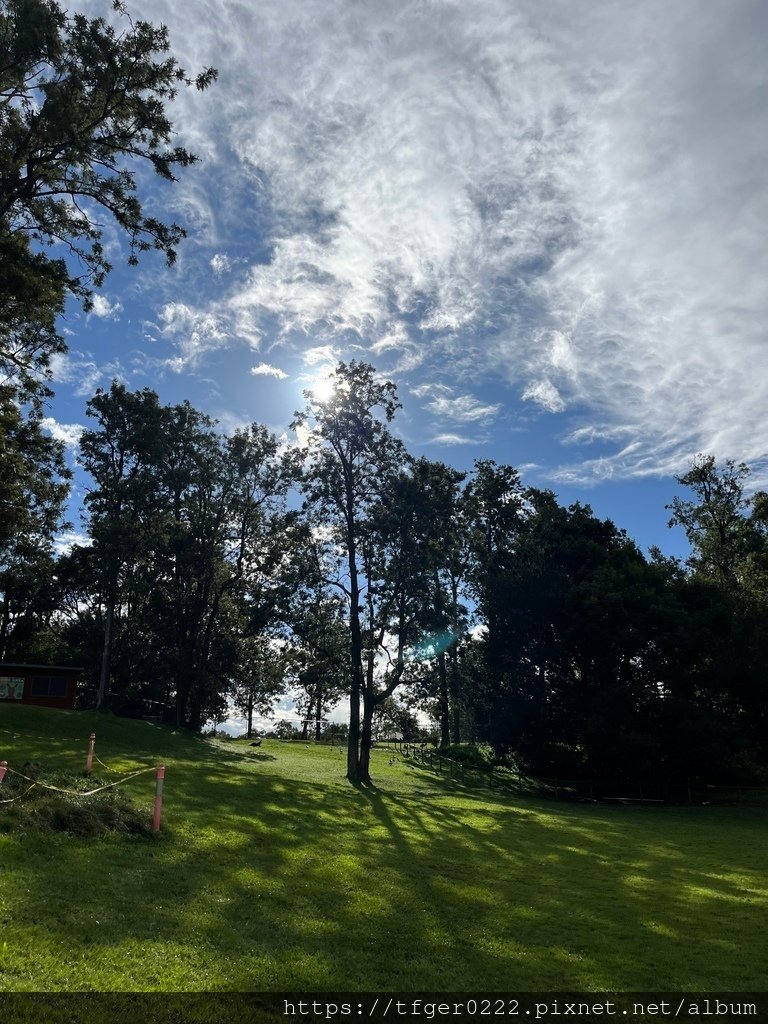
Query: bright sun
[{"x": 322, "y": 389}]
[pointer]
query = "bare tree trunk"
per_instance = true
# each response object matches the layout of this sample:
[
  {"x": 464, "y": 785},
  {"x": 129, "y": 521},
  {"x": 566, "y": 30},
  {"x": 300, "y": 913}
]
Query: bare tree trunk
[
  {"x": 365, "y": 742},
  {"x": 106, "y": 657},
  {"x": 4, "y": 628},
  {"x": 456, "y": 723},
  {"x": 307, "y": 719},
  {"x": 319, "y": 719},
  {"x": 183, "y": 689},
  {"x": 442, "y": 675},
  {"x": 353, "y": 739},
  {"x": 249, "y": 733},
  {"x": 355, "y": 653}
]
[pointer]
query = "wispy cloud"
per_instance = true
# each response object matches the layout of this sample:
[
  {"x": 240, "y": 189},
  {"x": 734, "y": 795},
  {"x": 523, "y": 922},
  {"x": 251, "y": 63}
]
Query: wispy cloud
[
  {"x": 453, "y": 439},
  {"x": 463, "y": 408},
  {"x": 320, "y": 354},
  {"x": 220, "y": 264},
  {"x": 84, "y": 374},
  {"x": 544, "y": 393},
  {"x": 195, "y": 333},
  {"x": 575, "y": 206},
  {"x": 266, "y": 370}
]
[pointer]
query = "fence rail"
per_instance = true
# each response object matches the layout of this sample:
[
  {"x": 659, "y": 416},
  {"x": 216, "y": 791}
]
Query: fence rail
[{"x": 586, "y": 790}]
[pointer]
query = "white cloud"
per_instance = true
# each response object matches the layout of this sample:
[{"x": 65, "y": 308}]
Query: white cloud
[
  {"x": 544, "y": 393},
  {"x": 195, "y": 332},
  {"x": 64, "y": 542},
  {"x": 453, "y": 439},
  {"x": 266, "y": 370},
  {"x": 424, "y": 390},
  {"x": 573, "y": 204},
  {"x": 221, "y": 264},
  {"x": 105, "y": 309},
  {"x": 596, "y": 432},
  {"x": 69, "y": 433},
  {"x": 320, "y": 354},
  {"x": 83, "y": 373},
  {"x": 463, "y": 408}
]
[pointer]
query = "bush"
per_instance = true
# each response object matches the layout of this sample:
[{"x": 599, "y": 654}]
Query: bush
[{"x": 476, "y": 755}]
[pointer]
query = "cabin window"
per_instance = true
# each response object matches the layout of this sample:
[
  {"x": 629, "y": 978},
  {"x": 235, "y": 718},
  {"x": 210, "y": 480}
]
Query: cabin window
[{"x": 49, "y": 686}]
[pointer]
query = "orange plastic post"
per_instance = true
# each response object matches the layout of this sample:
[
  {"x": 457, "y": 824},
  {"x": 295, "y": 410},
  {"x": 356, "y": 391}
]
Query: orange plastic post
[
  {"x": 158, "y": 798},
  {"x": 89, "y": 759},
  {"x": 3, "y": 766}
]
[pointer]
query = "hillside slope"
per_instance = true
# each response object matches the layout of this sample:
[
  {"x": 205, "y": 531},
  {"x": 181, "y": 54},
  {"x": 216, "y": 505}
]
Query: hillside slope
[{"x": 273, "y": 873}]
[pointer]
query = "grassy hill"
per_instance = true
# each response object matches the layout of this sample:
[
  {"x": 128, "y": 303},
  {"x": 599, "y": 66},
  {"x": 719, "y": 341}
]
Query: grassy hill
[{"x": 273, "y": 873}]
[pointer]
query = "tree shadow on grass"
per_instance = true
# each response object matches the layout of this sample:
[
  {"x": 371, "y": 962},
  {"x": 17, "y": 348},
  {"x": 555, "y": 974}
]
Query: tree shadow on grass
[{"x": 270, "y": 882}]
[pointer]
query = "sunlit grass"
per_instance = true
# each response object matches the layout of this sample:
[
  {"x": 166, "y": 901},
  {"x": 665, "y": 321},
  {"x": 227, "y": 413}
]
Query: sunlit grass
[{"x": 273, "y": 873}]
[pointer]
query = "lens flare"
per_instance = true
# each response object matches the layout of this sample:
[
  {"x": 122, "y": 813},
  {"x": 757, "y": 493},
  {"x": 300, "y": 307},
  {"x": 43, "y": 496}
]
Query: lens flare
[{"x": 430, "y": 646}]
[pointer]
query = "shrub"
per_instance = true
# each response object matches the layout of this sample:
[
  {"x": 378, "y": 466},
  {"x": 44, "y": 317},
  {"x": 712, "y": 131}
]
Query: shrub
[{"x": 478, "y": 755}]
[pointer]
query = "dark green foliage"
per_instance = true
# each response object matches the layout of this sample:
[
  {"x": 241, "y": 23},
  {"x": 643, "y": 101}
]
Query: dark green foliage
[
  {"x": 604, "y": 665},
  {"x": 82, "y": 105},
  {"x": 590, "y": 660},
  {"x": 33, "y": 492},
  {"x": 187, "y": 534},
  {"x": 476, "y": 755}
]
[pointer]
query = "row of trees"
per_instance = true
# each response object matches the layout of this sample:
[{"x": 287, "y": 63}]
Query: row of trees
[
  {"x": 220, "y": 567},
  {"x": 342, "y": 567}
]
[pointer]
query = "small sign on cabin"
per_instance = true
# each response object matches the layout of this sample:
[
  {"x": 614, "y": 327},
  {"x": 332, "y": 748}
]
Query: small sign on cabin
[{"x": 52, "y": 686}]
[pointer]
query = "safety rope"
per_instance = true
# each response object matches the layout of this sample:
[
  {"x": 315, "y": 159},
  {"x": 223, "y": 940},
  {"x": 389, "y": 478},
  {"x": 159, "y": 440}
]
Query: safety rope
[
  {"x": 20, "y": 796},
  {"x": 73, "y": 792},
  {"x": 106, "y": 767}
]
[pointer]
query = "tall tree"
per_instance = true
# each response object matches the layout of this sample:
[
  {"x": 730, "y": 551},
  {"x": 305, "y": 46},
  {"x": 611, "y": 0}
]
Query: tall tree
[
  {"x": 33, "y": 491},
  {"x": 345, "y": 467},
  {"x": 315, "y": 616},
  {"x": 185, "y": 526},
  {"x": 224, "y": 497},
  {"x": 258, "y": 676},
  {"x": 446, "y": 542},
  {"x": 715, "y": 519},
  {"x": 82, "y": 104},
  {"x": 124, "y": 455}
]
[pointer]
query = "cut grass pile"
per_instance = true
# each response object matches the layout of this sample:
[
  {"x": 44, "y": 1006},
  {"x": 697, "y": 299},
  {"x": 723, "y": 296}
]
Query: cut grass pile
[
  {"x": 70, "y": 805},
  {"x": 273, "y": 873}
]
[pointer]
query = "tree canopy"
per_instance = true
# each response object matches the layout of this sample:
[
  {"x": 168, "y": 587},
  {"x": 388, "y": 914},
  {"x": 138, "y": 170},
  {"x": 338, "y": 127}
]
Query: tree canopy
[
  {"x": 83, "y": 105},
  {"x": 230, "y": 570}
]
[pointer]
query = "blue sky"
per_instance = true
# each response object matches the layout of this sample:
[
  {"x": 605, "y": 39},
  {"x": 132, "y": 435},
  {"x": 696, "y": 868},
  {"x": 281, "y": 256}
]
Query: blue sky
[{"x": 543, "y": 220}]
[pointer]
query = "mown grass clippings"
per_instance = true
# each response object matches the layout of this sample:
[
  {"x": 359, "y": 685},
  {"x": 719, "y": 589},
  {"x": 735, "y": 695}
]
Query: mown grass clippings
[{"x": 33, "y": 806}]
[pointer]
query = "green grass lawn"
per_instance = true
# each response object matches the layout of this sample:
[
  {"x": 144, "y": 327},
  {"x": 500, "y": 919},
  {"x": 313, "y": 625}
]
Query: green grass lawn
[{"x": 275, "y": 874}]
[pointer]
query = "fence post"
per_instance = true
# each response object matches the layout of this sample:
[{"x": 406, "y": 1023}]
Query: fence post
[
  {"x": 158, "y": 798},
  {"x": 89, "y": 758},
  {"x": 3, "y": 766}
]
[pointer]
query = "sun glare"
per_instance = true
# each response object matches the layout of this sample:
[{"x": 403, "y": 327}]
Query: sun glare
[{"x": 322, "y": 389}]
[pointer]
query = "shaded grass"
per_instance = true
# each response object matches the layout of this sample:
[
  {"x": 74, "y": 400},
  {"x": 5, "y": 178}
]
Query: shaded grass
[{"x": 275, "y": 874}]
